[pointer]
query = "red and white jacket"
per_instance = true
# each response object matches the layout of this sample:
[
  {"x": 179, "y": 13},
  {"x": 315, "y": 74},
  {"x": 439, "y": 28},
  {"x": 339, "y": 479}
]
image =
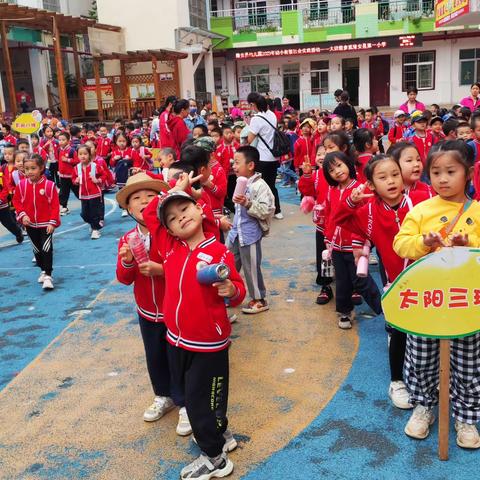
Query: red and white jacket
[
  {"x": 125, "y": 154},
  {"x": 395, "y": 134},
  {"x": 315, "y": 185},
  {"x": 5, "y": 187},
  {"x": 103, "y": 146},
  {"x": 148, "y": 291},
  {"x": 423, "y": 144},
  {"x": 39, "y": 201},
  {"x": 379, "y": 223},
  {"x": 194, "y": 314},
  {"x": 216, "y": 195},
  {"x": 362, "y": 159},
  {"x": 50, "y": 145},
  {"x": 40, "y": 151},
  {"x": 421, "y": 187},
  {"x": 224, "y": 154},
  {"x": 11, "y": 139},
  {"x": 67, "y": 161},
  {"x": 83, "y": 176},
  {"x": 16, "y": 176},
  {"x": 304, "y": 147},
  {"x": 142, "y": 158}
]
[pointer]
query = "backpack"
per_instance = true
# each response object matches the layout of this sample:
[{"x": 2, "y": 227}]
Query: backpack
[{"x": 281, "y": 141}]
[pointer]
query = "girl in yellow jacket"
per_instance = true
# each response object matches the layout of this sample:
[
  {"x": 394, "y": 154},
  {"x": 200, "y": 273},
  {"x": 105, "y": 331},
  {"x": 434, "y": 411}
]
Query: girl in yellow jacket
[{"x": 447, "y": 220}]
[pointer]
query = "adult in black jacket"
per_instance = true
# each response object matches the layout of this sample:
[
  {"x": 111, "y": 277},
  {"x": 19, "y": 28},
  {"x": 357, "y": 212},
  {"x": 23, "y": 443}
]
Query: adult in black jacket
[{"x": 344, "y": 109}]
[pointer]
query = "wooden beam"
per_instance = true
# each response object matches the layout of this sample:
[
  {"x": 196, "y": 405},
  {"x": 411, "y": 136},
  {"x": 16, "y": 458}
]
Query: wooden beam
[
  {"x": 78, "y": 73},
  {"x": 8, "y": 69},
  {"x": 156, "y": 83},
  {"x": 125, "y": 89},
  {"x": 176, "y": 74},
  {"x": 62, "y": 89},
  {"x": 96, "y": 71}
]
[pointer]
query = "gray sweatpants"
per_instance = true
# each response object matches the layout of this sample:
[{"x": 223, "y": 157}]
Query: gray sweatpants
[{"x": 250, "y": 258}]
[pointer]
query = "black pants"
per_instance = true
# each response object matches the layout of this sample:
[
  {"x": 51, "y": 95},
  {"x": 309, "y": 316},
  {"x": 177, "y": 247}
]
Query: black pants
[
  {"x": 65, "y": 186},
  {"x": 53, "y": 169},
  {"x": 92, "y": 212},
  {"x": 269, "y": 174},
  {"x": 231, "y": 184},
  {"x": 205, "y": 378},
  {"x": 42, "y": 243},
  {"x": 320, "y": 246},
  {"x": 396, "y": 354},
  {"x": 347, "y": 281},
  {"x": 8, "y": 221},
  {"x": 155, "y": 343}
]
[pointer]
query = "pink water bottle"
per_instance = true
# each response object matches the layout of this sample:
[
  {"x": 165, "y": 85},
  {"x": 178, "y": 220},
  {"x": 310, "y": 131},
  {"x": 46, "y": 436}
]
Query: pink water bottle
[
  {"x": 319, "y": 214},
  {"x": 241, "y": 186},
  {"x": 362, "y": 265},
  {"x": 137, "y": 247}
]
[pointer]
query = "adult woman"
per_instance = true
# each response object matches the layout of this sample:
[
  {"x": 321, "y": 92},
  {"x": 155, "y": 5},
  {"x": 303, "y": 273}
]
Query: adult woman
[
  {"x": 411, "y": 104},
  {"x": 165, "y": 134},
  {"x": 344, "y": 109},
  {"x": 473, "y": 100},
  {"x": 278, "y": 108},
  {"x": 49, "y": 119},
  {"x": 263, "y": 126},
  {"x": 176, "y": 124}
]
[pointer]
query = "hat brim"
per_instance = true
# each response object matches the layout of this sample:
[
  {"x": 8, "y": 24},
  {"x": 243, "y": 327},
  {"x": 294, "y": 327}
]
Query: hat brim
[
  {"x": 420, "y": 119},
  {"x": 162, "y": 207},
  {"x": 155, "y": 185}
]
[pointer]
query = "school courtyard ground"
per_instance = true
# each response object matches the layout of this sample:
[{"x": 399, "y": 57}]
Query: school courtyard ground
[{"x": 307, "y": 400}]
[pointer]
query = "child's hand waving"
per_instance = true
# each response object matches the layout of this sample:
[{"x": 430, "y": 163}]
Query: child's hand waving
[
  {"x": 225, "y": 289},
  {"x": 358, "y": 194},
  {"x": 433, "y": 240}
]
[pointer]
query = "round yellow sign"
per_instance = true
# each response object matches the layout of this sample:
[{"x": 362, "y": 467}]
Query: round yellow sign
[
  {"x": 26, "y": 123},
  {"x": 437, "y": 296}
]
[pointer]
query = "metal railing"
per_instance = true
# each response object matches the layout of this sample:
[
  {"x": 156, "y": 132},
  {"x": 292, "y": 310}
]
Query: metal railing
[{"x": 398, "y": 10}]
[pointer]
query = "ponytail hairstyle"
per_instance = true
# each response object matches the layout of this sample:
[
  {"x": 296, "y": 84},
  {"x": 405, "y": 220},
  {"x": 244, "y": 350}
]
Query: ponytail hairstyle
[{"x": 169, "y": 101}]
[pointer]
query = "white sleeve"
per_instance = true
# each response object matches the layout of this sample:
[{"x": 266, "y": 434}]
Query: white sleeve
[{"x": 255, "y": 125}]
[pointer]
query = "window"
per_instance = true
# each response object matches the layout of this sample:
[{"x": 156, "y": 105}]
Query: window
[
  {"x": 288, "y": 5},
  {"x": 53, "y": 5},
  {"x": 469, "y": 66},
  {"x": 258, "y": 76},
  {"x": 319, "y": 77},
  {"x": 318, "y": 10},
  {"x": 418, "y": 70},
  {"x": 198, "y": 13}
]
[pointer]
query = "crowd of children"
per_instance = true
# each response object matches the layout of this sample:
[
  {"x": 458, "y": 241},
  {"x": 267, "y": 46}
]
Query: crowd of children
[{"x": 204, "y": 206}]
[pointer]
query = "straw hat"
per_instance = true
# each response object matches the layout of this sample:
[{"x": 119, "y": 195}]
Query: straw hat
[{"x": 140, "y": 181}]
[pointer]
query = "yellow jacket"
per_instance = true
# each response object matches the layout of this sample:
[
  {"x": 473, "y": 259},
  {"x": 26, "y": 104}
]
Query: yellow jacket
[{"x": 431, "y": 216}]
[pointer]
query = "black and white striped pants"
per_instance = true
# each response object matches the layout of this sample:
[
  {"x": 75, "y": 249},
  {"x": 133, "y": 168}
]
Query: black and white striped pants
[
  {"x": 42, "y": 243},
  {"x": 421, "y": 373}
]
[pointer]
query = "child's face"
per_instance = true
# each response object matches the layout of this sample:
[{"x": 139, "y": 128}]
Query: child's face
[
  {"x": 436, "y": 127},
  {"x": 448, "y": 178},
  {"x": 32, "y": 170},
  {"x": 237, "y": 133},
  {"x": 103, "y": 131},
  {"x": 241, "y": 167},
  {"x": 476, "y": 130},
  {"x": 320, "y": 156},
  {"x": 62, "y": 140},
  {"x": 117, "y": 125},
  {"x": 228, "y": 135},
  {"x": 23, "y": 147},
  {"x": 48, "y": 132},
  {"x": 138, "y": 201},
  {"x": 135, "y": 143},
  {"x": 374, "y": 146},
  {"x": 464, "y": 133},
  {"x": 121, "y": 143},
  {"x": 339, "y": 171},
  {"x": 8, "y": 154},
  {"x": 401, "y": 119},
  {"x": 330, "y": 146},
  {"x": 368, "y": 116},
  {"x": 360, "y": 116},
  {"x": 183, "y": 218},
  {"x": 210, "y": 128},
  {"x": 387, "y": 181},
  {"x": 91, "y": 134},
  {"x": 19, "y": 162},
  {"x": 336, "y": 124},
  {"x": 420, "y": 126},
  {"x": 216, "y": 137},
  {"x": 83, "y": 155},
  {"x": 348, "y": 125},
  {"x": 197, "y": 132},
  {"x": 322, "y": 126},
  {"x": 35, "y": 141},
  {"x": 411, "y": 166},
  {"x": 166, "y": 160},
  {"x": 307, "y": 130}
]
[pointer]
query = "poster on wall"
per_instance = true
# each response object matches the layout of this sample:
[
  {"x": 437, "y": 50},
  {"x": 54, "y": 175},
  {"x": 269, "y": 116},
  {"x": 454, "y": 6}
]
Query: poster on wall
[
  {"x": 244, "y": 88},
  {"x": 142, "y": 90},
  {"x": 90, "y": 95}
]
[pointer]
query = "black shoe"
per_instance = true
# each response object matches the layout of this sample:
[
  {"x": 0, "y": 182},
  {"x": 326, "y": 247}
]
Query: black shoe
[
  {"x": 356, "y": 298},
  {"x": 325, "y": 295},
  {"x": 19, "y": 238}
]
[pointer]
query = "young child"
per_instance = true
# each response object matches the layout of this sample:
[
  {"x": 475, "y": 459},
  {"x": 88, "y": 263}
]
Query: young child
[
  {"x": 366, "y": 146},
  {"x": 38, "y": 209},
  {"x": 225, "y": 153},
  {"x": 421, "y": 138},
  {"x": 141, "y": 155},
  {"x": 167, "y": 156},
  {"x": 68, "y": 160},
  {"x": 89, "y": 177},
  {"x": 198, "y": 329},
  {"x": 379, "y": 221},
  {"x": 6, "y": 217},
  {"x": 312, "y": 183},
  {"x": 216, "y": 134},
  {"x": 103, "y": 143},
  {"x": 199, "y": 131},
  {"x": 464, "y": 131},
  {"x": 237, "y": 130},
  {"x": 253, "y": 213},
  {"x": 436, "y": 124},
  {"x": 50, "y": 145},
  {"x": 8, "y": 135},
  {"x": 372, "y": 123},
  {"x": 36, "y": 148},
  {"x": 423, "y": 231},
  {"x": 149, "y": 290},
  {"x": 304, "y": 148},
  {"x": 121, "y": 159},
  {"x": 337, "y": 124},
  {"x": 109, "y": 180},
  {"x": 9, "y": 159},
  {"x": 340, "y": 174},
  {"x": 397, "y": 132}
]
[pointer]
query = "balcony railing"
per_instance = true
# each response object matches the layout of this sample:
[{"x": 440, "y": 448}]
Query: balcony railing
[{"x": 319, "y": 14}]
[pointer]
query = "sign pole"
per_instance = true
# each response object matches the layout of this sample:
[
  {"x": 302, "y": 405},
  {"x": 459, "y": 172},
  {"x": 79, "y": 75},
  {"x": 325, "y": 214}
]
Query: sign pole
[
  {"x": 30, "y": 143},
  {"x": 444, "y": 404}
]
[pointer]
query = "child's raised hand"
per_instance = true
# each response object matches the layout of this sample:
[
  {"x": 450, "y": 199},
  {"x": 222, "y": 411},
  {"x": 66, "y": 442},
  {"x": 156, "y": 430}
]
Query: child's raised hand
[
  {"x": 459, "y": 240},
  {"x": 126, "y": 254},
  {"x": 225, "y": 289},
  {"x": 433, "y": 240},
  {"x": 358, "y": 194}
]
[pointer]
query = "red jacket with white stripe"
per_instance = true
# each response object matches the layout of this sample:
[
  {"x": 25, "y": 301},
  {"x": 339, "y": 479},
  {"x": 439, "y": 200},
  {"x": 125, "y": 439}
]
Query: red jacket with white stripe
[
  {"x": 423, "y": 144},
  {"x": 67, "y": 161},
  {"x": 217, "y": 194},
  {"x": 5, "y": 186},
  {"x": 314, "y": 185},
  {"x": 304, "y": 147},
  {"x": 124, "y": 154},
  {"x": 148, "y": 291},
  {"x": 362, "y": 159},
  {"x": 225, "y": 153},
  {"x": 50, "y": 145},
  {"x": 395, "y": 134},
  {"x": 38, "y": 201},
  {"x": 378, "y": 222},
  {"x": 83, "y": 176},
  {"x": 103, "y": 146},
  {"x": 421, "y": 187},
  {"x": 195, "y": 315},
  {"x": 142, "y": 158}
]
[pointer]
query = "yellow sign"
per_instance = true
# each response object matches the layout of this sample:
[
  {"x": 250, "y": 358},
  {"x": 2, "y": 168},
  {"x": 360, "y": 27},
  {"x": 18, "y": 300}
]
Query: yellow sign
[
  {"x": 448, "y": 10},
  {"x": 26, "y": 123},
  {"x": 156, "y": 157},
  {"x": 437, "y": 296}
]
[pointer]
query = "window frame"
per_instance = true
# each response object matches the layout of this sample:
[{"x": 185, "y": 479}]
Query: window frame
[
  {"x": 476, "y": 61},
  {"x": 319, "y": 73},
  {"x": 434, "y": 65}
]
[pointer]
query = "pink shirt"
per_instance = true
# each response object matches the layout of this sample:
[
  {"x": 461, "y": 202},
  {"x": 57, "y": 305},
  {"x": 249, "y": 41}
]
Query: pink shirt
[
  {"x": 470, "y": 103},
  {"x": 406, "y": 106}
]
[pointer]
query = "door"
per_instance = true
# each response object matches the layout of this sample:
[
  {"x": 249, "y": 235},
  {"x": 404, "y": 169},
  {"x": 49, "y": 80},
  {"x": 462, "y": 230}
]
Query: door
[
  {"x": 380, "y": 80},
  {"x": 291, "y": 84},
  {"x": 351, "y": 78}
]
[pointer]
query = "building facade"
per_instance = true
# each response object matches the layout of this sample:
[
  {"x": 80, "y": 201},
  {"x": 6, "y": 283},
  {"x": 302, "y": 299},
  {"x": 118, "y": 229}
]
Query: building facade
[{"x": 375, "y": 50}]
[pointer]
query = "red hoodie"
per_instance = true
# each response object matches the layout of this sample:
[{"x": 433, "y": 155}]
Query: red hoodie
[
  {"x": 103, "y": 146},
  {"x": 88, "y": 188},
  {"x": 315, "y": 185},
  {"x": 141, "y": 158},
  {"x": 423, "y": 144},
  {"x": 68, "y": 160},
  {"x": 304, "y": 147},
  {"x": 179, "y": 132},
  {"x": 217, "y": 194},
  {"x": 225, "y": 153}
]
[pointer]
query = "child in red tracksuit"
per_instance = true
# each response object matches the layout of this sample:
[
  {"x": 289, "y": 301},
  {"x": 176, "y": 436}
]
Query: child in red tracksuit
[
  {"x": 339, "y": 171},
  {"x": 313, "y": 184},
  {"x": 103, "y": 143},
  {"x": 421, "y": 138},
  {"x": 89, "y": 177},
  {"x": 37, "y": 206},
  {"x": 304, "y": 147},
  {"x": 149, "y": 290},
  {"x": 225, "y": 153},
  {"x": 50, "y": 144},
  {"x": 141, "y": 155},
  {"x": 198, "y": 329},
  {"x": 379, "y": 221},
  {"x": 7, "y": 217},
  {"x": 68, "y": 160},
  {"x": 366, "y": 146},
  {"x": 395, "y": 134}
]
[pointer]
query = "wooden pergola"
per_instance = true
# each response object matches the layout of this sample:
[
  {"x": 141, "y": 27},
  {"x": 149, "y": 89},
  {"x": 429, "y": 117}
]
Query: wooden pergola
[
  {"x": 138, "y": 56},
  {"x": 56, "y": 23}
]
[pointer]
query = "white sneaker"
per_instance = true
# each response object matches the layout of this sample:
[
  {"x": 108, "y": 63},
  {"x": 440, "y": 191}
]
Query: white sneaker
[
  {"x": 124, "y": 213},
  {"x": 95, "y": 234},
  {"x": 183, "y": 426},
  {"x": 279, "y": 216},
  {"x": 398, "y": 393},
  {"x": 41, "y": 278},
  {"x": 205, "y": 468},
  {"x": 418, "y": 426},
  {"x": 345, "y": 322},
  {"x": 47, "y": 283},
  {"x": 64, "y": 211},
  {"x": 467, "y": 435},
  {"x": 233, "y": 318},
  {"x": 159, "y": 407}
]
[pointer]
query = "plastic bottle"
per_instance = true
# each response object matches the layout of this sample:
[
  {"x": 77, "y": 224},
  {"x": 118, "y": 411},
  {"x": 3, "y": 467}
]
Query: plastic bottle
[
  {"x": 241, "y": 186},
  {"x": 137, "y": 247}
]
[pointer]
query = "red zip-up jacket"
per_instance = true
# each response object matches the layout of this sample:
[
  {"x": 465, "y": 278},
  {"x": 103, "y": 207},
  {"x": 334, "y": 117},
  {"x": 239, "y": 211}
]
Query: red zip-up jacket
[
  {"x": 194, "y": 314},
  {"x": 376, "y": 126},
  {"x": 142, "y": 158},
  {"x": 67, "y": 161},
  {"x": 179, "y": 132},
  {"x": 225, "y": 153},
  {"x": 103, "y": 146},
  {"x": 46, "y": 143},
  {"x": 421, "y": 187},
  {"x": 217, "y": 194},
  {"x": 125, "y": 154},
  {"x": 363, "y": 159},
  {"x": 40, "y": 151},
  {"x": 166, "y": 139},
  {"x": 314, "y": 185},
  {"x": 379, "y": 223},
  {"x": 423, "y": 144},
  {"x": 11, "y": 139},
  {"x": 304, "y": 147},
  {"x": 395, "y": 134},
  {"x": 88, "y": 189},
  {"x": 39, "y": 201},
  {"x": 5, "y": 187},
  {"x": 148, "y": 291}
]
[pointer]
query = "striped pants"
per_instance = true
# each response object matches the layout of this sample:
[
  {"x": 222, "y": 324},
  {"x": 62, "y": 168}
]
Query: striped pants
[
  {"x": 42, "y": 244},
  {"x": 421, "y": 370}
]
